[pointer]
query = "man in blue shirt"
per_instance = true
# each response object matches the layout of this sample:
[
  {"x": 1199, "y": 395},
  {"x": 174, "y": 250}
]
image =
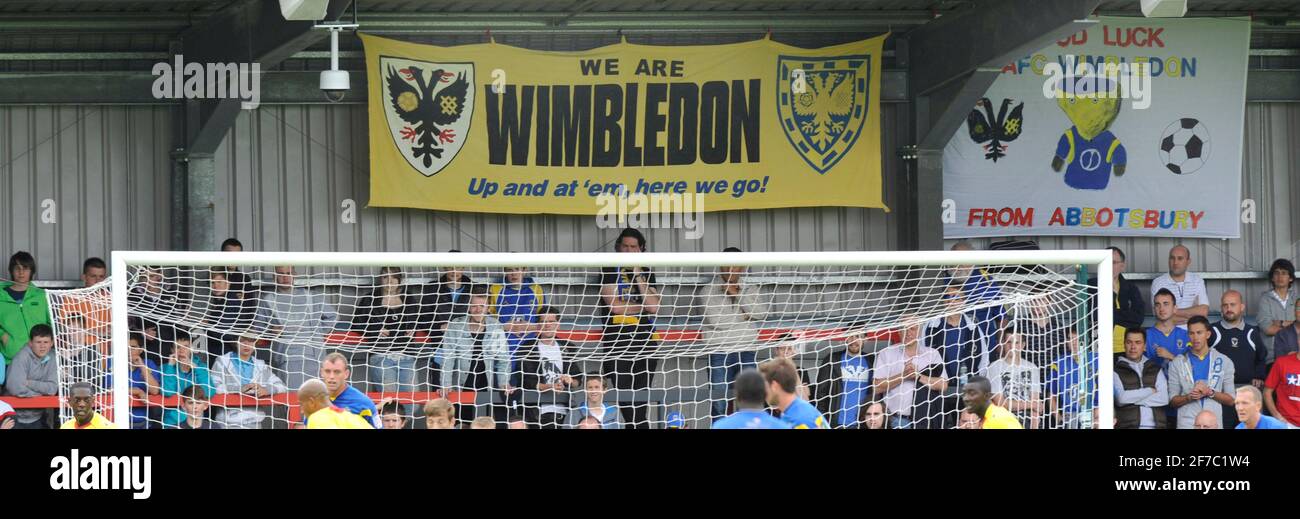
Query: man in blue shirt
[
  {"x": 979, "y": 287},
  {"x": 1066, "y": 380},
  {"x": 1165, "y": 340},
  {"x": 782, "y": 380},
  {"x": 844, "y": 381},
  {"x": 1249, "y": 403},
  {"x": 515, "y": 303},
  {"x": 334, "y": 371},
  {"x": 750, "y": 396}
]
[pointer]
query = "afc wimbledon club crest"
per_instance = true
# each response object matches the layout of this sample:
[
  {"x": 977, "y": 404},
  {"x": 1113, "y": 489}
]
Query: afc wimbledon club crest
[
  {"x": 428, "y": 108},
  {"x": 822, "y": 103}
]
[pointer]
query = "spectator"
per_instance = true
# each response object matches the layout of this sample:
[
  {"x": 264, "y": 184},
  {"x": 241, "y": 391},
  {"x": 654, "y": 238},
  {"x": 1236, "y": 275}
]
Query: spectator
[
  {"x": 977, "y": 395},
  {"x": 439, "y": 414},
  {"x": 957, "y": 338},
  {"x": 590, "y": 422},
  {"x": 334, "y": 371},
  {"x": 547, "y": 373},
  {"x": 1016, "y": 383},
  {"x": 844, "y": 382},
  {"x": 1248, "y": 404},
  {"x": 1206, "y": 420},
  {"x": 183, "y": 370},
  {"x": 232, "y": 245},
  {"x": 314, "y": 402},
  {"x": 1200, "y": 380},
  {"x": 194, "y": 400},
  {"x": 240, "y": 372},
  {"x": 1284, "y": 384},
  {"x": 483, "y": 422},
  {"x": 594, "y": 406},
  {"x": 629, "y": 300},
  {"x": 231, "y": 309},
  {"x": 93, "y": 307},
  {"x": 81, "y": 398},
  {"x": 297, "y": 320},
  {"x": 1188, "y": 288},
  {"x": 969, "y": 420},
  {"x": 517, "y": 421},
  {"x": 751, "y": 393},
  {"x": 390, "y": 415},
  {"x": 782, "y": 380},
  {"x": 155, "y": 348},
  {"x": 387, "y": 318},
  {"x": 1287, "y": 340},
  {"x": 732, "y": 311},
  {"x": 1042, "y": 334},
  {"x": 440, "y": 303},
  {"x": 787, "y": 347},
  {"x": 1165, "y": 341},
  {"x": 874, "y": 416},
  {"x": 979, "y": 287},
  {"x": 903, "y": 368},
  {"x": 515, "y": 303},
  {"x": 1276, "y": 304},
  {"x": 145, "y": 377},
  {"x": 1240, "y": 342},
  {"x": 155, "y": 299},
  {"x": 477, "y": 357},
  {"x": 33, "y": 372},
  {"x": 22, "y": 306},
  {"x": 1141, "y": 390},
  {"x": 1066, "y": 378},
  {"x": 1128, "y": 309}
]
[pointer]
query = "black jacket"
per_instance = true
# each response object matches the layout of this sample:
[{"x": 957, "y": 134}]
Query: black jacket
[
  {"x": 438, "y": 306},
  {"x": 829, "y": 388},
  {"x": 371, "y": 317},
  {"x": 1129, "y": 306},
  {"x": 535, "y": 371}
]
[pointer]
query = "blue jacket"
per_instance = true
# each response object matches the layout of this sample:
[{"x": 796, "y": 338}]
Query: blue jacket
[
  {"x": 609, "y": 422},
  {"x": 174, "y": 381}
]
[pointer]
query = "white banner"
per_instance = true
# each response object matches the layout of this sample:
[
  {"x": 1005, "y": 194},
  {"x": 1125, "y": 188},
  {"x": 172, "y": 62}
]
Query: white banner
[{"x": 1150, "y": 146}]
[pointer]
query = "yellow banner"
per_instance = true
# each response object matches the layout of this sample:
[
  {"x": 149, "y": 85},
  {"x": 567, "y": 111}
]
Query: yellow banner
[{"x": 494, "y": 128}]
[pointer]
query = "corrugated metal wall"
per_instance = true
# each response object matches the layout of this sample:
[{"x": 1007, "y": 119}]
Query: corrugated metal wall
[
  {"x": 106, "y": 169},
  {"x": 284, "y": 172},
  {"x": 1271, "y": 177}
]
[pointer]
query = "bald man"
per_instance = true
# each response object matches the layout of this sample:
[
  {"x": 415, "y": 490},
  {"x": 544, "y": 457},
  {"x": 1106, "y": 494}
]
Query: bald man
[
  {"x": 1188, "y": 288},
  {"x": 1206, "y": 420},
  {"x": 1242, "y": 343},
  {"x": 314, "y": 402}
]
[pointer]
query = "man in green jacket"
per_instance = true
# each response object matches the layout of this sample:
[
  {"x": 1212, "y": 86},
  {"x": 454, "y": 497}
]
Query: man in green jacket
[{"x": 22, "y": 305}]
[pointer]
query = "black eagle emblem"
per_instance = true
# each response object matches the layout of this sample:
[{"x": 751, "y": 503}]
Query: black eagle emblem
[
  {"x": 425, "y": 110},
  {"x": 993, "y": 132}
]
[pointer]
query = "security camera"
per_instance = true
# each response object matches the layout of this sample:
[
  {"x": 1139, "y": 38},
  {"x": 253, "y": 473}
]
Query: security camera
[{"x": 335, "y": 84}]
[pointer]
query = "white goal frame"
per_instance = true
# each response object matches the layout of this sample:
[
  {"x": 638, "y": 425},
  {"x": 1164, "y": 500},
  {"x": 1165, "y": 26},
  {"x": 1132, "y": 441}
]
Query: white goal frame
[{"x": 1098, "y": 261}]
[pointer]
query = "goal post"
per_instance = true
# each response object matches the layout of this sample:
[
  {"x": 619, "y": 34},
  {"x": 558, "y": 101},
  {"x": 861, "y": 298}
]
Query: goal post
[{"x": 818, "y": 302}]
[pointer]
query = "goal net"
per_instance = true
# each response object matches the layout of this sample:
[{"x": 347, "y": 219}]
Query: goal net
[{"x": 645, "y": 340}]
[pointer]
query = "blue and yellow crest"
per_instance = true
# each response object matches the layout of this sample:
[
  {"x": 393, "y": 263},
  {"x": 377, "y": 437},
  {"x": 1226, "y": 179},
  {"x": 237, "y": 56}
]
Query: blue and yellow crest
[{"x": 822, "y": 103}]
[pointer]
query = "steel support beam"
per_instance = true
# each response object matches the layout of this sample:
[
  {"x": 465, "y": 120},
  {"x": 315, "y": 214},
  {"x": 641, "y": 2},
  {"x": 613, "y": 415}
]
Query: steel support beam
[
  {"x": 251, "y": 31},
  {"x": 953, "y": 61}
]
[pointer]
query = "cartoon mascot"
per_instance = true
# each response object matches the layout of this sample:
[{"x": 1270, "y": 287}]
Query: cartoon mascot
[{"x": 1088, "y": 150}]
